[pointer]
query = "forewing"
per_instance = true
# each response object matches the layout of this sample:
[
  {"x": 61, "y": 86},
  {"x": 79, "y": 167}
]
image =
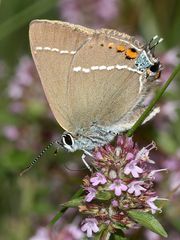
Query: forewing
[{"x": 53, "y": 46}]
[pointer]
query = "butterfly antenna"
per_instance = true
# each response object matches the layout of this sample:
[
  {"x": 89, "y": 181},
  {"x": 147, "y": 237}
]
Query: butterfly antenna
[
  {"x": 152, "y": 39},
  {"x": 154, "y": 42},
  {"x": 37, "y": 158}
]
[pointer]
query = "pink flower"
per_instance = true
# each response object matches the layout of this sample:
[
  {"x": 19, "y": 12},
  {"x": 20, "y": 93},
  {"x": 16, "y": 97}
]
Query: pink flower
[
  {"x": 99, "y": 179},
  {"x": 15, "y": 91},
  {"x": 133, "y": 169},
  {"x": 151, "y": 235},
  {"x": 172, "y": 163},
  {"x": 169, "y": 60},
  {"x": 169, "y": 110},
  {"x": 136, "y": 188},
  {"x": 75, "y": 232},
  {"x": 171, "y": 57},
  {"x": 129, "y": 156},
  {"x": 114, "y": 203},
  {"x": 24, "y": 71},
  {"x": 41, "y": 234},
  {"x": 143, "y": 154},
  {"x": 151, "y": 204},
  {"x": 125, "y": 143},
  {"x": 118, "y": 186},
  {"x": 98, "y": 155},
  {"x": 153, "y": 172},
  {"x": 90, "y": 226},
  {"x": 92, "y": 193},
  {"x": 11, "y": 132}
]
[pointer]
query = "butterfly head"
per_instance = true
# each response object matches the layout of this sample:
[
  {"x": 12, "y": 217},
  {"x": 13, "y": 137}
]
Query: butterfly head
[
  {"x": 147, "y": 61},
  {"x": 72, "y": 142},
  {"x": 86, "y": 139}
]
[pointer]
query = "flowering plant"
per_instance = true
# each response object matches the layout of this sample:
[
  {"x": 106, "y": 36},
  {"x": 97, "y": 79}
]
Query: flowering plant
[{"x": 119, "y": 189}]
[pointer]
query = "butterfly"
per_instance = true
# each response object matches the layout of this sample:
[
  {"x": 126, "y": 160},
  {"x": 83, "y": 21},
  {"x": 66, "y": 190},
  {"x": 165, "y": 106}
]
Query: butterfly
[{"x": 95, "y": 80}]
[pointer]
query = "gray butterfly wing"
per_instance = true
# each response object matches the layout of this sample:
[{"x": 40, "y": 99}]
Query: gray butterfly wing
[
  {"x": 53, "y": 46},
  {"x": 66, "y": 56}
]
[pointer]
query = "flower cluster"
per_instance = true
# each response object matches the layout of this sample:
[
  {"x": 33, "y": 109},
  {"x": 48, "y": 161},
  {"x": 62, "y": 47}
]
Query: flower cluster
[{"x": 122, "y": 181}]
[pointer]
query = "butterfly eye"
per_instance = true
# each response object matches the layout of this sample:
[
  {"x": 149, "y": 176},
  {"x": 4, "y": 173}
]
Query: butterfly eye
[
  {"x": 154, "y": 68},
  {"x": 68, "y": 140}
]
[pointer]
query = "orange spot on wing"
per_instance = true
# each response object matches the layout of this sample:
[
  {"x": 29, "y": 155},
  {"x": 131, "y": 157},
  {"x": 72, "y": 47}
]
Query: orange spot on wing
[
  {"x": 131, "y": 53},
  {"x": 120, "y": 48}
]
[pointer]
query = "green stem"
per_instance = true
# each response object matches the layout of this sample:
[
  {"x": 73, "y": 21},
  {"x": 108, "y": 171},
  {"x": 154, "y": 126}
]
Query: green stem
[
  {"x": 130, "y": 132},
  {"x": 26, "y": 15},
  {"x": 153, "y": 102}
]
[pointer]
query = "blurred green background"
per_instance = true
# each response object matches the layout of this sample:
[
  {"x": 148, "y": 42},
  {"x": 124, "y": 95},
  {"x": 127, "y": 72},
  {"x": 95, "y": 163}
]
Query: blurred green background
[{"x": 26, "y": 123}]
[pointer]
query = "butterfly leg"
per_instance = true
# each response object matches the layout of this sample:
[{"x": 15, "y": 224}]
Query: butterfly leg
[{"x": 84, "y": 161}]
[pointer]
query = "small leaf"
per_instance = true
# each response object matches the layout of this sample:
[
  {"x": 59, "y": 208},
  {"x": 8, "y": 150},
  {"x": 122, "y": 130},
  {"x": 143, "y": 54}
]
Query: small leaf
[
  {"x": 119, "y": 235},
  {"x": 103, "y": 195},
  {"x": 74, "y": 202},
  {"x": 119, "y": 226},
  {"x": 148, "y": 221}
]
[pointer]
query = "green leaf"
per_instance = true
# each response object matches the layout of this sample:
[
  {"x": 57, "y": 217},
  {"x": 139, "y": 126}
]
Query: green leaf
[
  {"x": 147, "y": 220},
  {"x": 119, "y": 235},
  {"x": 74, "y": 202},
  {"x": 103, "y": 195},
  {"x": 119, "y": 226}
]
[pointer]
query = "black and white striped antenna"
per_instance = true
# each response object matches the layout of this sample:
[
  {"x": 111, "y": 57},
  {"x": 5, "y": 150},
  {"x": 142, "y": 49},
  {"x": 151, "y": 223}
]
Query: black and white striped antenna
[
  {"x": 155, "y": 41},
  {"x": 37, "y": 158}
]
